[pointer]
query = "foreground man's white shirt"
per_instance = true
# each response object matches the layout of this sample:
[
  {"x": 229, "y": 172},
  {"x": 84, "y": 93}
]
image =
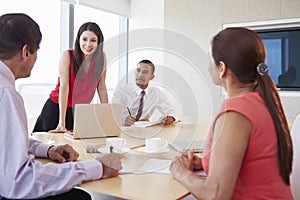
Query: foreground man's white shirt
[{"x": 21, "y": 175}]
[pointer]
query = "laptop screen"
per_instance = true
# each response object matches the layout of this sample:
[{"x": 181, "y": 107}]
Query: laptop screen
[{"x": 97, "y": 120}]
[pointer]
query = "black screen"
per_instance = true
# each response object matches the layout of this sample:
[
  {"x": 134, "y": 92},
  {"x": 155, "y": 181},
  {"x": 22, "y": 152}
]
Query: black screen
[{"x": 283, "y": 56}]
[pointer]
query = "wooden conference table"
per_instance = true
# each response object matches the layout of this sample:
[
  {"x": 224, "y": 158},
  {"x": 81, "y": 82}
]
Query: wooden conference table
[{"x": 131, "y": 184}]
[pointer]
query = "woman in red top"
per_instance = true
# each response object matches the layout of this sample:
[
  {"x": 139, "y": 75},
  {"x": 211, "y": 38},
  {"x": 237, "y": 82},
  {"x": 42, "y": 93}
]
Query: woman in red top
[
  {"x": 81, "y": 72},
  {"x": 249, "y": 153}
]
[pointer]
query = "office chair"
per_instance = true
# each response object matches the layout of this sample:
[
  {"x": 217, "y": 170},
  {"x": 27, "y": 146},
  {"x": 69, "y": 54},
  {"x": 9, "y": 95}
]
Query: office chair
[
  {"x": 295, "y": 180},
  {"x": 34, "y": 96}
]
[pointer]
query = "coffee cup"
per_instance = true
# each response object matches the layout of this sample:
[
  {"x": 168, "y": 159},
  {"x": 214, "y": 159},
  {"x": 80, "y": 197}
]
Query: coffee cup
[
  {"x": 155, "y": 144},
  {"x": 115, "y": 145}
]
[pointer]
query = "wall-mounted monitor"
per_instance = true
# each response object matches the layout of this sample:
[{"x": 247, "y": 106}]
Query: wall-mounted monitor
[{"x": 282, "y": 42}]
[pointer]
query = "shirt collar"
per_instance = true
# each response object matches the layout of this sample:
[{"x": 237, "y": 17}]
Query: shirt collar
[
  {"x": 139, "y": 90},
  {"x": 6, "y": 72}
]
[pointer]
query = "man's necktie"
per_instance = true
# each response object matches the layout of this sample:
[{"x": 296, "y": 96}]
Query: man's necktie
[{"x": 140, "y": 110}]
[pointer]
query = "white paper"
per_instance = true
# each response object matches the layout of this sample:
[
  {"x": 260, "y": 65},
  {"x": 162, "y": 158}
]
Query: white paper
[
  {"x": 144, "y": 124},
  {"x": 156, "y": 165}
]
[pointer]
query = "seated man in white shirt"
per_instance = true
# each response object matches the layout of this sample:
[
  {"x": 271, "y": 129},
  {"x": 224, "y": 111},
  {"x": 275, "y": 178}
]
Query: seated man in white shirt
[
  {"x": 139, "y": 107},
  {"x": 23, "y": 177}
]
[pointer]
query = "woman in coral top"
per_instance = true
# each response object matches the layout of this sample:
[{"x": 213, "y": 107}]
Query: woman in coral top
[
  {"x": 81, "y": 71},
  {"x": 249, "y": 153}
]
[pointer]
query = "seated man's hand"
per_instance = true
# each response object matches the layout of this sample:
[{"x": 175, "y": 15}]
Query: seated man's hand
[
  {"x": 129, "y": 120},
  {"x": 62, "y": 153},
  {"x": 168, "y": 120},
  {"x": 111, "y": 164}
]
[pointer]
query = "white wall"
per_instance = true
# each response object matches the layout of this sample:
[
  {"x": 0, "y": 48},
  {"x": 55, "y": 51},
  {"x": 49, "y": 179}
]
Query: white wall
[
  {"x": 145, "y": 14},
  {"x": 176, "y": 56},
  {"x": 198, "y": 21},
  {"x": 201, "y": 19},
  {"x": 145, "y": 37}
]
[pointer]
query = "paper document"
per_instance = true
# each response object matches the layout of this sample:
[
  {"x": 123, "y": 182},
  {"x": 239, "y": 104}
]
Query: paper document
[
  {"x": 145, "y": 124},
  {"x": 156, "y": 165}
]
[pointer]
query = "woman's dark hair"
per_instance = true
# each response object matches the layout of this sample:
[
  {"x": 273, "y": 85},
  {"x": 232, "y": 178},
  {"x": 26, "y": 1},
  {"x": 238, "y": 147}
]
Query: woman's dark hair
[
  {"x": 17, "y": 30},
  {"x": 242, "y": 50},
  {"x": 97, "y": 57}
]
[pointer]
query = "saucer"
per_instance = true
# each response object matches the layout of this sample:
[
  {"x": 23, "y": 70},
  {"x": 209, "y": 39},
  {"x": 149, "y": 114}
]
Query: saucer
[
  {"x": 43, "y": 137},
  {"x": 145, "y": 150},
  {"x": 105, "y": 150}
]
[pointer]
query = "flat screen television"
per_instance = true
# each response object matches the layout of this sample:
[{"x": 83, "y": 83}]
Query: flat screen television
[
  {"x": 282, "y": 41},
  {"x": 283, "y": 56}
]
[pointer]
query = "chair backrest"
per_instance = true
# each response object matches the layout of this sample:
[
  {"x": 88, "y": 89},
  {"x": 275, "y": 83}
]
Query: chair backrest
[
  {"x": 295, "y": 176},
  {"x": 34, "y": 96},
  {"x": 173, "y": 99}
]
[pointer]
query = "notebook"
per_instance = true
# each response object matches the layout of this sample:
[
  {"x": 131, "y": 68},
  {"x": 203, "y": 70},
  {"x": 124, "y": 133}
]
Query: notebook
[{"x": 96, "y": 121}]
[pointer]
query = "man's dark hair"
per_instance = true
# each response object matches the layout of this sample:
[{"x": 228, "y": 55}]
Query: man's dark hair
[
  {"x": 149, "y": 63},
  {"x": 17, "y": 30}
]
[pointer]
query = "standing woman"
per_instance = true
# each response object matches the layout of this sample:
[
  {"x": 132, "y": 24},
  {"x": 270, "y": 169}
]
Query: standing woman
[
  {"x": 249, "y": 153},
  {"x": 81, "y": 71}
]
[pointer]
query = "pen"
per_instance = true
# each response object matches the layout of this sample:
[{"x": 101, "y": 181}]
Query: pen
[
  {"x": 66, "y": 155},
  {"x": 129, "y": 111}
]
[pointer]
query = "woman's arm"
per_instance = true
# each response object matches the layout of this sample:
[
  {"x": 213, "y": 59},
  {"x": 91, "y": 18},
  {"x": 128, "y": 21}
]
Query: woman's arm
[
  {"x": 64, "y": 70},
  {"x": 231, "y": 136},
  {"x": 102, "y": 91}
]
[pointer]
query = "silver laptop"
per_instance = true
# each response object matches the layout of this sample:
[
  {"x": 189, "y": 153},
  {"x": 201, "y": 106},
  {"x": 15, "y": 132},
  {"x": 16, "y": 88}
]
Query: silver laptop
[{"x": 96, "y": 121}]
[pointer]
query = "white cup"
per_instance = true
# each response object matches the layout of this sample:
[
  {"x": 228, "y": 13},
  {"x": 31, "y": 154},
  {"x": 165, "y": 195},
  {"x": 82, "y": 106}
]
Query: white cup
[
  {"x": 156, "y": 144},
  {"x": 115, "y": 145}
]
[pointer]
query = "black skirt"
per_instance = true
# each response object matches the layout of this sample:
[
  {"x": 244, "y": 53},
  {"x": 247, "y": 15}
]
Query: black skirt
[{"x": 49, "y": 117}]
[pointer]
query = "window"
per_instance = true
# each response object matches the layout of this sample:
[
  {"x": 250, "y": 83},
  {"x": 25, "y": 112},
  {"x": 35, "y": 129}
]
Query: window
[
  {"x": 65, "y": 19},
  {"x": 58, "y": 35},
  {"x": 111, "y": 25},
  {"x": 46, "y": 66}
]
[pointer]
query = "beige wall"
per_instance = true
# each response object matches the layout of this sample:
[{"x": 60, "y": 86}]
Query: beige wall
[
  {"x": 201, "y": 19},
  {"x": 197, "y": 21}
]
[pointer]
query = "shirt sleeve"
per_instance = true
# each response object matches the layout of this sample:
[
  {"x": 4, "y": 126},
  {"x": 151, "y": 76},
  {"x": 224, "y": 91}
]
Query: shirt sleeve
[
  {"x": 120, "y": 95},
  {"x": 38, "y": 148},
  {"x": 24, "y": 176},
  {"x": 165, "y": 107},
  {"x": 116, "y": 97}
]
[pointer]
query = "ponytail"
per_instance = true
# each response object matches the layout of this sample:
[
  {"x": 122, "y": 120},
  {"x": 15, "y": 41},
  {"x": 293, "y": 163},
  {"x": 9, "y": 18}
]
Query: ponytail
[{"x": 268, "y": 91}]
